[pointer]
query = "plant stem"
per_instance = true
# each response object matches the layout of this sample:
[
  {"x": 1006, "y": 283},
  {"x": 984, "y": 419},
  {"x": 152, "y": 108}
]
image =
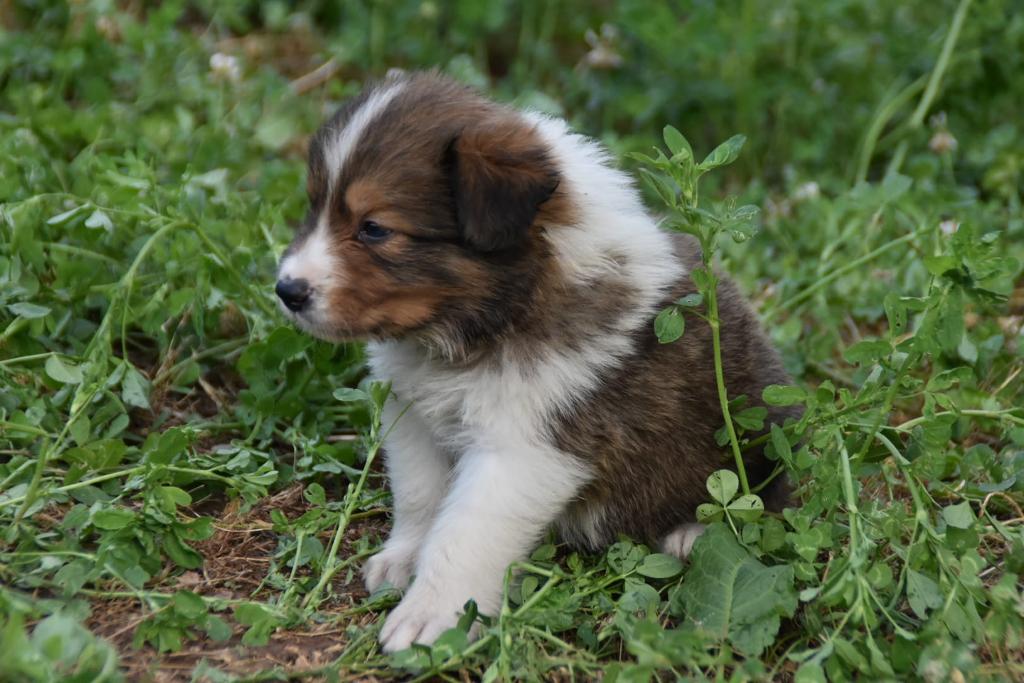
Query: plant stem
[
  {"x": 839, "y": 272},
  {"x": 890, "y": 397},
  {"x": 850, "y": 495},
  {"x": 80, "y": 484},
  {"x": 12, "y": 329},
  {"x": 79, "y": 251},
  {"x": 940, "y": 66},
  {"x": 299, "y": 538},
  {"x": 15, "y": 474},
  {"x": 27, "y": 429},
  {"x": 331, "y": 566},
  {"x": 25, "y": 359},
  {"x": 723, "y": 397},
  {"x": 765, "y": 438},
  {"x": 917, "y": 118},
  {"x": 1006, "y": 414},
  {"x": 885, "y": 112}
]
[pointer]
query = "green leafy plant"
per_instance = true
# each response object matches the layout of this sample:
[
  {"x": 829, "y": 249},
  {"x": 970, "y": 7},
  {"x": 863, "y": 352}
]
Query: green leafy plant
[
  {"x": 731, "y": 595},
  {"x": 723, "y": 485},
  {"x": 174, "y": 463},
  {"x": 677, "y": 184}
]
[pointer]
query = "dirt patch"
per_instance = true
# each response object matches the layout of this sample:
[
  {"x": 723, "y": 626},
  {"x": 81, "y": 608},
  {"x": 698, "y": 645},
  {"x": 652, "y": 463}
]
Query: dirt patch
[
  {"x": 236, "y": 562},
  {"x": 292, "y": 652}
]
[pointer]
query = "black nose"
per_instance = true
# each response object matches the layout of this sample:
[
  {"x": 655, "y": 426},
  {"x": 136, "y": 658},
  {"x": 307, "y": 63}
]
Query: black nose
[{"x": 294, "y": 293}]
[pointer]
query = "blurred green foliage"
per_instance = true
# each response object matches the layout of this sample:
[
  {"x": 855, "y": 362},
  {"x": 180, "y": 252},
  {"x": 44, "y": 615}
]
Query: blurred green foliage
[{"x": 151, "y": 165}]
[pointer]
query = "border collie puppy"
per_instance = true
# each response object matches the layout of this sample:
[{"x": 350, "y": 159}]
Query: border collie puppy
[{"x": 507, "y": 276}]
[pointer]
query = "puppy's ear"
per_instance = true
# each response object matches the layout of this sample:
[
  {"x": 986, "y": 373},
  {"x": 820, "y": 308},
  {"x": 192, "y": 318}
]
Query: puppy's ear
[{"x": 501, "y": 174}]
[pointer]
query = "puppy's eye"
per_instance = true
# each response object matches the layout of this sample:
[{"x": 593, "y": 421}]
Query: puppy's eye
[{"x": 370, "y": 232}]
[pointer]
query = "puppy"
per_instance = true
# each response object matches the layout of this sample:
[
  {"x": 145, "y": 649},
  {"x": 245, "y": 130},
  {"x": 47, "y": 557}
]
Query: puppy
[{"x": 507, "y": 276}]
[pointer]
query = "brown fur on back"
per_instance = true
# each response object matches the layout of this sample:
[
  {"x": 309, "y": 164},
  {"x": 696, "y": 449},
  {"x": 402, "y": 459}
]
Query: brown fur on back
[{"x": 649, "y": 430}]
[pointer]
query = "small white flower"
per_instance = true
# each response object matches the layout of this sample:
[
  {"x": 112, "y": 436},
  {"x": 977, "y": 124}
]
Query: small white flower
[
  {"x": 805, "y": 191},
  {"x": 108, "y": 28},
  {"x": 942, "y": 142},
  {"x": 934, "y": 671},
  {"x": 1011, "y": 325},
  {"x": 225, "y": 67},
  {"x": 948, "y": 226},
  {"x": 774, "y": 211},
  {"x": 603, "y": 54},
  {"x": 428, "y": 10}
]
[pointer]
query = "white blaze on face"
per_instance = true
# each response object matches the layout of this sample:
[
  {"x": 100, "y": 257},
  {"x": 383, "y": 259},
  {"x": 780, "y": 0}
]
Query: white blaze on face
[
  {"x": 313, "y": 260},
  {"x": 340, "y": 148}
]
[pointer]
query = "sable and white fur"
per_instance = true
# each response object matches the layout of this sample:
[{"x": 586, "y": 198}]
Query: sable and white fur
[{"x": 510, "y": 303}]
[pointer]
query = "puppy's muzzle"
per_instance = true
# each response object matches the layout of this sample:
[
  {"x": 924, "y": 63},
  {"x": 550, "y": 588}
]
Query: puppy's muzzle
[{"x": 295, "y": 294}]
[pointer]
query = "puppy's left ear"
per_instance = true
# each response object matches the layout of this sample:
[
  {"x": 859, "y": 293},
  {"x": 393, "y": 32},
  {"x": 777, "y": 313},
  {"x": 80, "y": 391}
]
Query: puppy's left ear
[{"x": 501, "y": 174}]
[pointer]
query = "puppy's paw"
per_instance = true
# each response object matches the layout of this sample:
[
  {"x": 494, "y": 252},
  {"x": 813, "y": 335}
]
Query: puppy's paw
[
  {"x": 679, "y": 542},
  {"x": 423, "y": 615},
  {"x": 394, "y": 565}
]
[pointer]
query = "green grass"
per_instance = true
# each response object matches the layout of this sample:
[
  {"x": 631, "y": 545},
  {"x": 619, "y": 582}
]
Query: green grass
[{"x": 185, "y": 492}]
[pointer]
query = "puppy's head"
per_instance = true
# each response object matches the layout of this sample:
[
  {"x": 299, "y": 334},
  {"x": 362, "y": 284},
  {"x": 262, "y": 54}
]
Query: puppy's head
[{"x": 426, "y": 203}]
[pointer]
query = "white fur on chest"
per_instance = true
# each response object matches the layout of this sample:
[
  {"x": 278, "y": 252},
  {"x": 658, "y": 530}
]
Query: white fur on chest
[{"x": 494, "y": 400}]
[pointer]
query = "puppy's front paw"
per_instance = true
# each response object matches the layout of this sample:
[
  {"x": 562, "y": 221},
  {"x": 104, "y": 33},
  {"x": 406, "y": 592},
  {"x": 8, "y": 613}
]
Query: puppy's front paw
[
  {"x": 423, "y": 615},
  {"x": 680, "y": 541},
  {"x": 394, "y": 564}
]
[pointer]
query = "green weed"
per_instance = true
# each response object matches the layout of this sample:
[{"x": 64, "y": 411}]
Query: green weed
[{"x": 184, "y": 475}]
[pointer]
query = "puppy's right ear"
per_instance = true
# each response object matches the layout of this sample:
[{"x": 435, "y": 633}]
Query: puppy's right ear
[{"x": 501, "y": 174}]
